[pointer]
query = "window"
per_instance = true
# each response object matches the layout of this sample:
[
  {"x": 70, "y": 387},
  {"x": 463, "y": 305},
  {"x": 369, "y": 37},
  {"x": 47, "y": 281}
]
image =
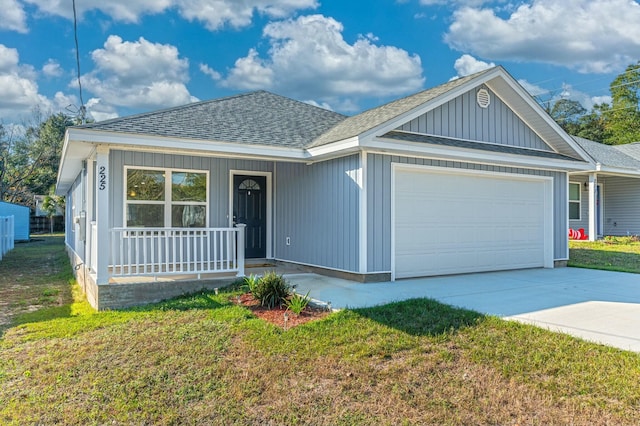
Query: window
[
  {"x": 152, "y": 202},
  {"x": 574, "y": 201}
]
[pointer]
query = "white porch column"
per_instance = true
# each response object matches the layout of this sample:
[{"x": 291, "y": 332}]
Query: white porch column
[
  {"x": 593, "y": 230},
  {"x": 91, "y": 191},
  {"x": 101, "y": 187},
  {"x": 240, "y": 247}
]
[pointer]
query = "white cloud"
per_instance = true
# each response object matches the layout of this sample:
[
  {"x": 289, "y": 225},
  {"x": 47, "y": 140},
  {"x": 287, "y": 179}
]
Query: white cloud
[
  {"x": 207, "y": 70},
  {"x": 99, "y": 111},
  {"x": 119, "y": 10},
  {"x": 309, "y": 59},
  {"x": 12, "y": 16},
  {"x": 52, "y": 69},
  {"x": 18, "y": 86},
  {"x": 138, "y": 74},
  {"x": 467, "y": 65},
  {"x": 586, "y": 35},
  {"x": 533, "y": 89},
  {"x": 214, "y": 14}
]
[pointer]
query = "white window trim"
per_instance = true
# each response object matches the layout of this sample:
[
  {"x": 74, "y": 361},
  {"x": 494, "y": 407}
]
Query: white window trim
[
  {"x": 168, "y": 201},
  {"x": 579, "y": 201}
]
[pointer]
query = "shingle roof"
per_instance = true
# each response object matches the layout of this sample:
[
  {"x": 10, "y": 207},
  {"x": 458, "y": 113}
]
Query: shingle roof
[
  {"x": 459, "y": 143},
  {"x": 610, "y": 155},
  {"x": 631, "y": 149},
  {"x": 358, "y": 124},
  {"x": 260, "y": 117}
]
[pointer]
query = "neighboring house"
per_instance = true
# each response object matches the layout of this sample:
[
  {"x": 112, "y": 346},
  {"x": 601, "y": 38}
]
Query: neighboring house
[
  {"x": 40, "y": 220},
  {"x": 606, "y": 201},
  {"x": 468, "y": 176},
  {"x": 21, "y": 219}
]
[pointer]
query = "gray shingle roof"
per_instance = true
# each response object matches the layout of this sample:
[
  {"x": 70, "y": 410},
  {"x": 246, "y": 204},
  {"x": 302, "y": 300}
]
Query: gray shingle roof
[
  {"x": 260, "y": 117},
  {"x": 611, "y": 155},
  {"x": 459, "y": 143},
  {"x": 358, "y": 124}
]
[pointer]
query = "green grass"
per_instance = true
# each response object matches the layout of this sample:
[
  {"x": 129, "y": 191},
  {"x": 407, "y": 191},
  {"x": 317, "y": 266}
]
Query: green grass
[
  {"x": 201, "y": 359},
  {"x": 611, "y": 253}
]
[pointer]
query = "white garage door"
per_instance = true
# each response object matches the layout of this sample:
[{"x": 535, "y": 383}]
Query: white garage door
[{"x": 454, "y": 222}]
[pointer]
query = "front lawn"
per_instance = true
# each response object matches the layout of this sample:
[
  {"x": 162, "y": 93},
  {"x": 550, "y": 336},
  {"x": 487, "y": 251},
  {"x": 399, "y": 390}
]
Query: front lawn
[
  {"x": 202, "y": 359},
  {"x": 611, "y": 253}
]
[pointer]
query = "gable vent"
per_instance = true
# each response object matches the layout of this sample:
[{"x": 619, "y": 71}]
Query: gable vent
[{"x": 483, "y": 98}]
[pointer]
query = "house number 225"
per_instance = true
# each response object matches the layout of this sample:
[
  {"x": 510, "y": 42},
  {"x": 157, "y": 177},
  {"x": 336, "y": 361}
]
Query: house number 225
[{"x": 102, "y": 178}]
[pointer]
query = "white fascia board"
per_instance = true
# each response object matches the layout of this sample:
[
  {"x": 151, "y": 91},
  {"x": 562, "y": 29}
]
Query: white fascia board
[
  {"x": 160, "y": 143},
  {"x": 615, "y": 171},
  {"x": 352, "y": 143},
  {"x": 449, "y": 153}
]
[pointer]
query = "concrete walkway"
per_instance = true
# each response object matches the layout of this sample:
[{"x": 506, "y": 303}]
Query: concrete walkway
[{"x": 599, "y": 306}]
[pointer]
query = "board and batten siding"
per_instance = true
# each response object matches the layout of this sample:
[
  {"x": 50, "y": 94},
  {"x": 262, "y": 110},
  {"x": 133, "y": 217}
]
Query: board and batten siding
[
  {"x": 317, "y": 208},
  {"x": 379, "y": 203},
  {"x": 218, "y": 169},
  {"x": 621, "y": 205},
  {"x": 74, "y": 204},
  {"x": 462, "y": 118}
]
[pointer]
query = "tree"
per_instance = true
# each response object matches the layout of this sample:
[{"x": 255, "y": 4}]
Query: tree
[
  {"x": 29, "y": 159},
  {"x": 51, "y": 204},
  {"x": 568, "y": 113},
  {"x": 623, "y": 119}
]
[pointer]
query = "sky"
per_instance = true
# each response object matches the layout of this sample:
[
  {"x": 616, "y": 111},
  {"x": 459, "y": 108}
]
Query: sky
[{"x": 344, "y": 55}]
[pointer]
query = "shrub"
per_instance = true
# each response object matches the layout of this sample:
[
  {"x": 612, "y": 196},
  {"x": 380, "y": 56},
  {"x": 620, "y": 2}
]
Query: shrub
[
  {"x": 297, "y": 303},
  {"x": 272, "y": 290},
  {"x": 252, "y": 282}
]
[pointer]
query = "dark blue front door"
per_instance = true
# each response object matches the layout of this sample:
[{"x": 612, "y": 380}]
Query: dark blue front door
[{"x": 250, "y": 208}]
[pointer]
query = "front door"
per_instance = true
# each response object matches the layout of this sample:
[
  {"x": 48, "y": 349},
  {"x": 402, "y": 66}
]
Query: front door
[{"x": 250, "y": 208}]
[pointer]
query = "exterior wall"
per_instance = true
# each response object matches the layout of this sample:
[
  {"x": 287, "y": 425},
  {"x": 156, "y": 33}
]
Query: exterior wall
[
  {"x": 75, "y": 203},
  {"x": 21, "y": 219},
  {"x": 379, "y": 204},
  {"x": 462, "y": 118},
  {"x": 218, "y": 169},
  {"x": 621, "y": 205},
  {"x": 317, "y": 208}
]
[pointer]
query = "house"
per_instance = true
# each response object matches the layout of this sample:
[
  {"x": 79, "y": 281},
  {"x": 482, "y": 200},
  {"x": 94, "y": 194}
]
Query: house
[
  {"x": 21, "y": 219},
  {"x": 468, "y": 176},
  {"x": 41, "y": 222},
  {"x": 606, "y": 200}
]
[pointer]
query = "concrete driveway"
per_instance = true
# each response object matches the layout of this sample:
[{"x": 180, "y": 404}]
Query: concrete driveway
[{"x": 599, "y": 306}]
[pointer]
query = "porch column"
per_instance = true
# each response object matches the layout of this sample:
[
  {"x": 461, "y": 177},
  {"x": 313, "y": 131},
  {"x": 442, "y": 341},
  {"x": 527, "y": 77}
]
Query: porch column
[
  {"x": 593, "y": 181},
  {"x": 101, "y": 187},
  {"x": 91, "y": 190}
]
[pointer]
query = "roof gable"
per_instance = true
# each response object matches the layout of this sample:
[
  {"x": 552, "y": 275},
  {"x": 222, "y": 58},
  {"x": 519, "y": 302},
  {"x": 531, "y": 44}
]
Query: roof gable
[
  {"x": 379, "y": 121},
  {"x": 370, "y": 119},
  {"x": 495, "y": 123},
  {"x": 259, "y": 118}
]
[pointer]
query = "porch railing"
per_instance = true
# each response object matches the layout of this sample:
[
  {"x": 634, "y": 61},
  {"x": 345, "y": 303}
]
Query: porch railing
[
  {"x": 166, "y": 251},
  {"x": 7, "y": 234}
]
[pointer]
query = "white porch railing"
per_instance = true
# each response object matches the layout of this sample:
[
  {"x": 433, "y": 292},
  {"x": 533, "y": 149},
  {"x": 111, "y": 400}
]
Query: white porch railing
[
  {"x": 167, "y": 251},
  {"x": 7, "y": 234}
]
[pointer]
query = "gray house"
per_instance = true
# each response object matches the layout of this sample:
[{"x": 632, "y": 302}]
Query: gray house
[
  {"x": 468, "y": 176},
  {"x": 606, "y": 201}
]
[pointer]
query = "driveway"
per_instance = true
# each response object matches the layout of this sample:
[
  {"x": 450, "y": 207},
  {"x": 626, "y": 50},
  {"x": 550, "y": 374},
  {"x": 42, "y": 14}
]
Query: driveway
[{"x": 599, "y": 306}]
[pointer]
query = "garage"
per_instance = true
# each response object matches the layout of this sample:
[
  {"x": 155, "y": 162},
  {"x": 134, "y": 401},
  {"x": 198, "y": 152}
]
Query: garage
[{"x": 452, "y": 221}]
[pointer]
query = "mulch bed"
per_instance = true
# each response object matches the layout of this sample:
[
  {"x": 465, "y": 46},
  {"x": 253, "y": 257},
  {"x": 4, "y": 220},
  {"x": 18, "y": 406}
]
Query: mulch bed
[{"x": 276, "y": 315}]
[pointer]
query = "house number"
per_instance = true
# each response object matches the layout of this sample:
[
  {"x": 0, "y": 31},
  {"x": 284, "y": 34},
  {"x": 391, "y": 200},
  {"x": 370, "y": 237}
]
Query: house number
[{"x": 102, "y": 178}]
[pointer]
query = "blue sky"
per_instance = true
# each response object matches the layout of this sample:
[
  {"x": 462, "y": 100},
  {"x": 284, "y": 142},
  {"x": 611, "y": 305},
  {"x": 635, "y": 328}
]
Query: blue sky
[{"x": 346, "y": 55}]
